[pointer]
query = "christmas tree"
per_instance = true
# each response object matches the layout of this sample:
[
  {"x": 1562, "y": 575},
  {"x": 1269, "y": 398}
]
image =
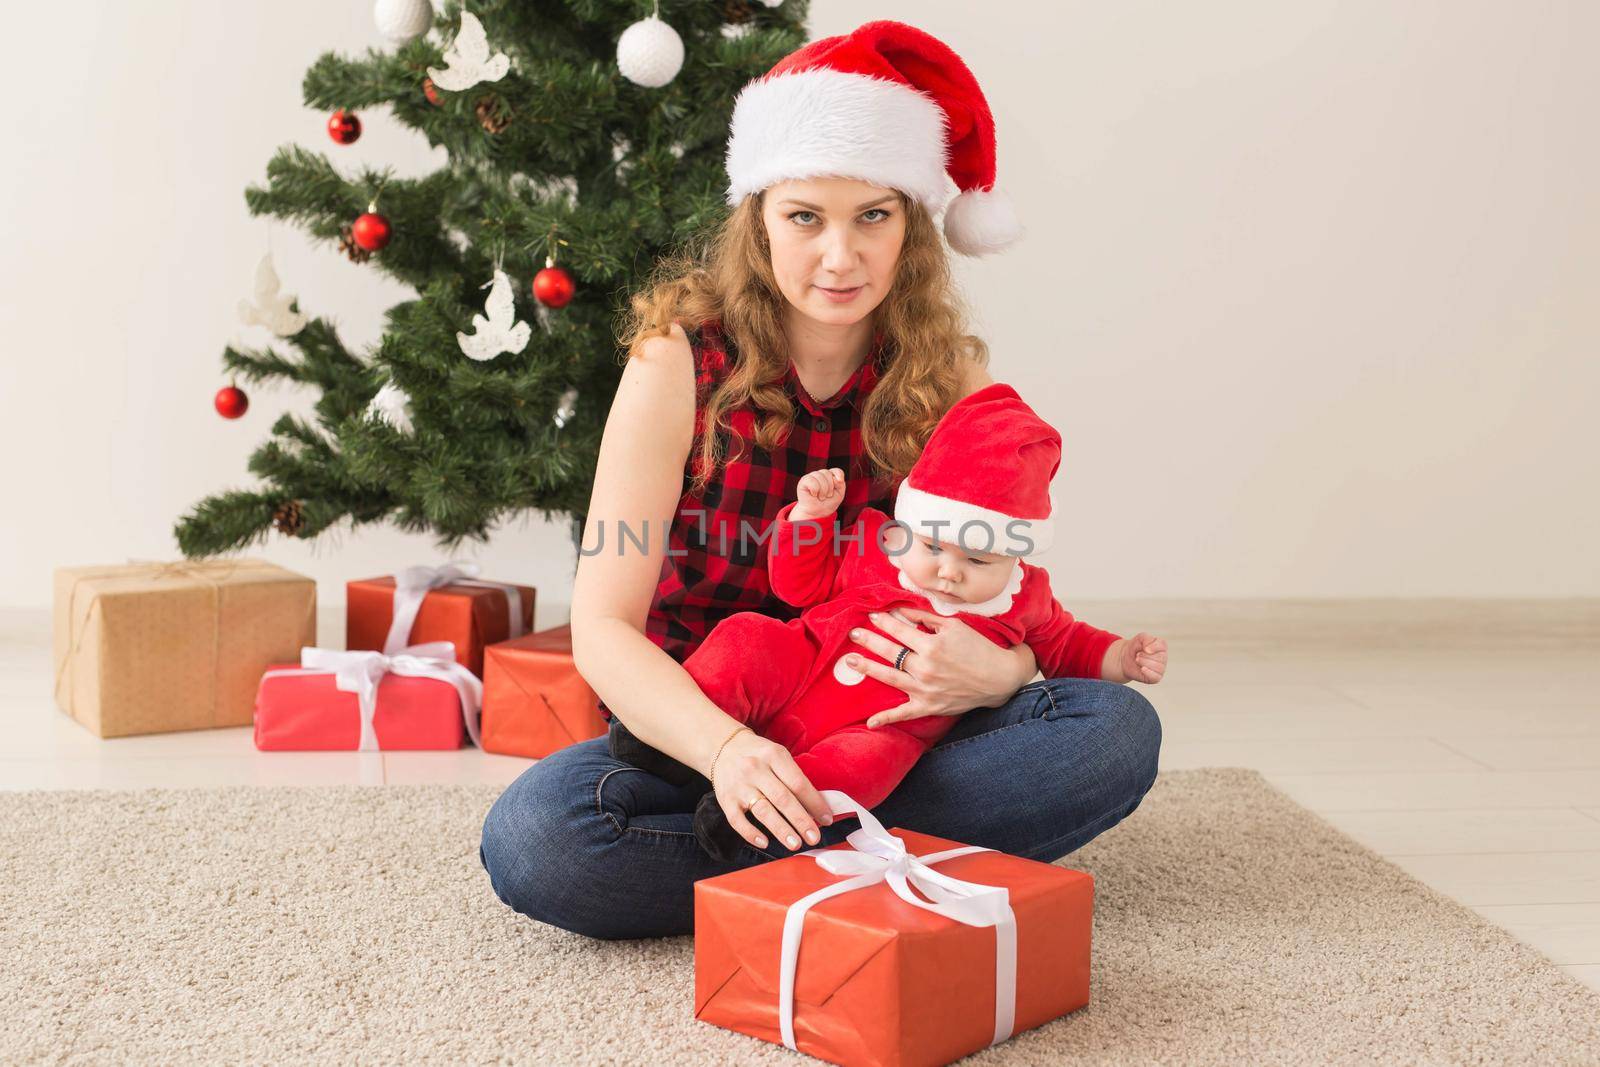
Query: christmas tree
[{"x": 585, "y": 142}]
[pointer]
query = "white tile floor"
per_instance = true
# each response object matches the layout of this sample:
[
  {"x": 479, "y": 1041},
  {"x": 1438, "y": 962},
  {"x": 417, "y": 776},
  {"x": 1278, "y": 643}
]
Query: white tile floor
[{"x": 1476, "y": 769}]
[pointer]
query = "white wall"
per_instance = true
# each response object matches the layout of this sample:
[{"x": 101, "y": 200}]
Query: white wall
[{"x": 1308, "y": 287}]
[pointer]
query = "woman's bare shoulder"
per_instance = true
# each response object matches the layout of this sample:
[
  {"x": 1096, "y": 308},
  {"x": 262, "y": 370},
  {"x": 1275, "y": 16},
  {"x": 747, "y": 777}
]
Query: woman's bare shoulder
[
  {"x": 662, "y": 362},
  {"x": 655, "y": 399},
  {"x": 977, "y": 376},
  {"x": 668, "y": 350}
]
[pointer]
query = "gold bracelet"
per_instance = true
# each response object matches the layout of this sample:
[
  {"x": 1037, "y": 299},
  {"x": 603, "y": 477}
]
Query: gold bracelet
[{"x": 711, "y": 774}]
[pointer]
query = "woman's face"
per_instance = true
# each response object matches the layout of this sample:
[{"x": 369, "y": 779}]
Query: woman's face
[{"x": 833, "y": 234}]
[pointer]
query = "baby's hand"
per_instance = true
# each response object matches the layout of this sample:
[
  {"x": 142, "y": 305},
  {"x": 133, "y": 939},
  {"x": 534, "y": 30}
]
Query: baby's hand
[
  {"x": 1144, "y": 658},
  {"x": 819, "y": 493}
]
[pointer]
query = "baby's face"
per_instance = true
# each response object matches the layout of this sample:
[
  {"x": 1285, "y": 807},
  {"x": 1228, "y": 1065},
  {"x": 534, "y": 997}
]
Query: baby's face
[{"x": 953, "y": 572}]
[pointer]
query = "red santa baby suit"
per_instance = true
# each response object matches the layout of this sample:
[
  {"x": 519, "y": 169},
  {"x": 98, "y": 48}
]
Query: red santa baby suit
[{"x": 982, "y": 480}]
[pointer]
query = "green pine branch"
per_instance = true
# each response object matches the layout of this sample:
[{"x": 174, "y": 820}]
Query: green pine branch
[{"x": 562, "y": 155}]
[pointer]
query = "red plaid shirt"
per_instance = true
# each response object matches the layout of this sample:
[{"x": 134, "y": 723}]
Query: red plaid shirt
[{"x": 710, "y": 572}]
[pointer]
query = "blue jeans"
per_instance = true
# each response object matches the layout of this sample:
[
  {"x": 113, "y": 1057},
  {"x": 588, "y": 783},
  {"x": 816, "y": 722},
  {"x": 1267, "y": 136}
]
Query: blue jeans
[{"x": 592, "y": 845}]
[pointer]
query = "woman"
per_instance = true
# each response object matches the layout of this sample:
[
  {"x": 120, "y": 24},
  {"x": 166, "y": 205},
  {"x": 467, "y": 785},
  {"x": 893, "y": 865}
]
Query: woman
[{"x": 822, "y": 331}]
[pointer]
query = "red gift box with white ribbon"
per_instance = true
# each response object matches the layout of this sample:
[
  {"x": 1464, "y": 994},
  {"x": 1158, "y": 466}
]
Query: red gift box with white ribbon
[
  {"x": 423, "y": 604},
  {"x": 419, "y": 698},
  {"x": 891, "y": 948}
]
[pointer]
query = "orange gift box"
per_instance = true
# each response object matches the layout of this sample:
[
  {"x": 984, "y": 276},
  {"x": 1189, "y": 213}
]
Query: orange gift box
[
  {"x": 534, "y": 700},
  {"x": 878, "y": 980},
  {"x": 469, "y": 616}
]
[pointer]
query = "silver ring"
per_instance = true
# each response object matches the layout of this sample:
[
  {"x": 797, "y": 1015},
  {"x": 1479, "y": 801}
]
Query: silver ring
[{"x": 900, "y": 658}]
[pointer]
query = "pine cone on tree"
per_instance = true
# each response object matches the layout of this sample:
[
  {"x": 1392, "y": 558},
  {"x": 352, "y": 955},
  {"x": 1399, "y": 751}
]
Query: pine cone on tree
[
  {"x": 737, "y": 11},
  {"x": 288, "y": 517},
  {"x": 347, "y": 244},
  {"x": 490, "y": 115}
]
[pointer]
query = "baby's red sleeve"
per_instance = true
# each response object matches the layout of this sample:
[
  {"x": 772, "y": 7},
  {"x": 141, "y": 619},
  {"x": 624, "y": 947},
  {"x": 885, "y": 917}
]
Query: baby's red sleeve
[
  {"x": 801, "y": 566},
  {"x": 1065, "y": 647}
]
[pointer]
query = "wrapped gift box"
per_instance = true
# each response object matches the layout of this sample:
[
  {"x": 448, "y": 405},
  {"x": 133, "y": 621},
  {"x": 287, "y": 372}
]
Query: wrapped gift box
[
  {"x": 153, "y": 647},
  {"x": 878, "y": 980},
  {"x": 469, "y": 614},
  {"x": 534, "y": 700},
  {"x": 365, "y": 700}
]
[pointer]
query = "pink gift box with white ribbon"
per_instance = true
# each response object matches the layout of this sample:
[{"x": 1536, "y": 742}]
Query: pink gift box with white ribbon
[{"x": 419, "y": 698}]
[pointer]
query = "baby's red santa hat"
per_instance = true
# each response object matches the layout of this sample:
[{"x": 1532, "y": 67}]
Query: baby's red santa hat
[
  {"x": 989, "y": 461},
  {"x": 888, "y": 104}
]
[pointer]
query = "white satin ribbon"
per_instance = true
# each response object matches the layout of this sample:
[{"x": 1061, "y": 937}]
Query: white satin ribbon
[
  {"x": 879, "y": 856},
  {"x": 413, "y": 583},
  {"x": 359, "y": 672}
]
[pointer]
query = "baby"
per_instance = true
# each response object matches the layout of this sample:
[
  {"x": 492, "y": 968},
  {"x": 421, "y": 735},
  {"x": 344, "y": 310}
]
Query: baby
[{"x": 975, "y": 502}]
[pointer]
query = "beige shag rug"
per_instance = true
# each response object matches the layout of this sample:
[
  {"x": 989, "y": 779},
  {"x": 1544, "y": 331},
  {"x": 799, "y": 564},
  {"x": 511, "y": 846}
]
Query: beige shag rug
[{"x": 354, "y": 924}]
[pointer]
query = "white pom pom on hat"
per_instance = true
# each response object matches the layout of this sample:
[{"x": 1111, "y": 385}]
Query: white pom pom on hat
[
  {"x": 888, "y": 104},
  {"x": 981, "y": 221}
]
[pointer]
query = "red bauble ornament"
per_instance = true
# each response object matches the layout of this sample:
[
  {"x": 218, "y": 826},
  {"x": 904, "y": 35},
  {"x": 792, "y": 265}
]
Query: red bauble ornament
[
  {"x": 432, "y": 93},
  {"x": 553, "y": 286},
  {"x": 344, "y": 127},
  {"x": 231, "y": 402},
  {"x": 370, "y": 231}
]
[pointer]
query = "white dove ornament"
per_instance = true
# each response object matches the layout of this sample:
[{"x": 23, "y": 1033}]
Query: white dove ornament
[
  {"x": 271, "y": 309},
  {"x": 468, "y": 59},
  {"x": 500, "y": 332},
  {"x": 392, "y": 406}
]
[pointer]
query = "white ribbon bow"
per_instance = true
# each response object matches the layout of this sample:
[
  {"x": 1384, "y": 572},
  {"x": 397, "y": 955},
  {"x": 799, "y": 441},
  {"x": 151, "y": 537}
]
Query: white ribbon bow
[
  {"x": 359, "y": 672},
  {"x": 413, "y": 583},
  {"x": 879, "y": 856}
]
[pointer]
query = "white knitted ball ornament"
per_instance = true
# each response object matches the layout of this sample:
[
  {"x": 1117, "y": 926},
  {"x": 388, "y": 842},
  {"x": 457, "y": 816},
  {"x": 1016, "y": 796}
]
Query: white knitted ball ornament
[
  {"x": 650, "y": 53},
  {"x": 403, "y": 20}
]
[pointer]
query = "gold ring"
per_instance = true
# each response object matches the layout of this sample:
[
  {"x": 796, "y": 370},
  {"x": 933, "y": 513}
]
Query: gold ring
[{"x": 753, "y": 801}]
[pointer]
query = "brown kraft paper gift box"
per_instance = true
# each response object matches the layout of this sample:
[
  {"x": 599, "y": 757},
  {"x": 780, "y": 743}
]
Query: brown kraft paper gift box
[{"x": 144, "y": 648}]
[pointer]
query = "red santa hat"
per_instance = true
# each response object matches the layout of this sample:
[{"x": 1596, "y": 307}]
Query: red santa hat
[
  {"x": 887, "y": 104},
  {"x": 989, "y": 461}
]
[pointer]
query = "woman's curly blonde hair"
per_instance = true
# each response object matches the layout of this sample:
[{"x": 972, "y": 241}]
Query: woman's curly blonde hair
[{"x": 728, "y": 276}]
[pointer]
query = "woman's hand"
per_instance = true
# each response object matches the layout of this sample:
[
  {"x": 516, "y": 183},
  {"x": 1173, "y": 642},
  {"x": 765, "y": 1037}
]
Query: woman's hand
[
  {"x": 752, "y": 768},
  {"x": 949, "y": 671}
]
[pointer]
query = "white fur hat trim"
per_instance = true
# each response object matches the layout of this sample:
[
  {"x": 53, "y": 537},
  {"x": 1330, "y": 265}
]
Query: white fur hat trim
[{"x": 827, "y": 123}]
